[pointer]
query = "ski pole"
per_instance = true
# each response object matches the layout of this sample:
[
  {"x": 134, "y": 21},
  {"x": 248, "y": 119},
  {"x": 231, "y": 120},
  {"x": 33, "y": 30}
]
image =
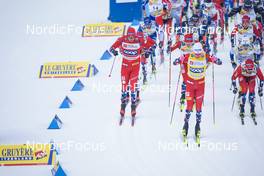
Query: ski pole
[
  {"x": 170, "y": 79},
  {"x": 213, "y": 81},
  {"x": 175, "y": 97},
  {"x": 110, "y": 74},
  {"x": 233, "y": 103}
]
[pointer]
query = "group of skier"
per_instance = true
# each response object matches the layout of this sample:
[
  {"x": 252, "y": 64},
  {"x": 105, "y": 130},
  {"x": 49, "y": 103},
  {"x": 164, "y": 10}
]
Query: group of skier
[{"x": 193, "y": 27}]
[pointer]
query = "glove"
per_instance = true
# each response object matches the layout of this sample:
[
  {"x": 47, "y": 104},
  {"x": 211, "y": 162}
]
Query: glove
[
  {"x": 169, "y": 43},
  {"x": 218, "y": 62},
  {"x": 176, "y": 61},
  {"x": 160, "y": 44},
  {"x": 234, "y": 65},
  {"x": 147, "y": 54},
  {"x": 235, "y": 90},
  {"x": 114, "y": 52},
  {"x": 168, "y": 50}
]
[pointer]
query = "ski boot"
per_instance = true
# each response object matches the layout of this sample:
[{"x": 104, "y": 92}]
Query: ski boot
[
  {"x": 133, "y": 104},
  {"x": 252, "y": 107},
  {"x": 186, "y": 127},
  {"x": 242, "y": 113},
  {"x": 197, "y": 128},
  {"x": 185, "y": 132},
  {"x": 197, "y": 134},
  {"x": 144, "y": 70},
  {"x": 124, "y": 102},
  {"x": 145, "y": 81},
  {"x": 253, "y": 116},
  {"x": 182, "y": 102},
  {"x": 153, "y": 69}
]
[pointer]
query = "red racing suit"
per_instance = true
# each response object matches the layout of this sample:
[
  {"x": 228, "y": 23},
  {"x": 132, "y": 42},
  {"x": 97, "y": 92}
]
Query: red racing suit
[
  {"x": 131, "y": 53},
  {"x": 247, "y": 82},
  {"x": 195, "y": 78}
]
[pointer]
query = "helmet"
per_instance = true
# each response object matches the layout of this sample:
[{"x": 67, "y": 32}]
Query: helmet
[
  {"x": 131, "y": 31},
  {"x": 147, "y": 21},
  {"x": 208, "y": 4},
  {"x": 195, "y": 18},
  {"x": 245, "y": 18},
  {"x": 245, "y": 21},
  {"x": 248, "y": 4},
  {"x": 198, "y": 49},
  {"x": 248, "y": 66},
  {"x": 188, "y": 38}
]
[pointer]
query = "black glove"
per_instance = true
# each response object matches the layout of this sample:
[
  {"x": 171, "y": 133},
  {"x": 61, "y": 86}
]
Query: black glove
[
  {"x": 235, "y": 90},
  {"x": 169, "y": 43},
  {"x": 168, "y": 50},
  {"x": 218, "y": 62},
  {"x": 234, "y": 65},
  {"x": 114, "y": 52},
  {"x": 160, "y": 44},
  {"x": 176, "y": 61},
  {"x": 147, "y": 54}
]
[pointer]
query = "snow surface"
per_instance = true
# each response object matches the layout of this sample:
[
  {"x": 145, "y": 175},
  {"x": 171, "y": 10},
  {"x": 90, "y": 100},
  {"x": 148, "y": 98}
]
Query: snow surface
[{"x": 29, "y": 103}]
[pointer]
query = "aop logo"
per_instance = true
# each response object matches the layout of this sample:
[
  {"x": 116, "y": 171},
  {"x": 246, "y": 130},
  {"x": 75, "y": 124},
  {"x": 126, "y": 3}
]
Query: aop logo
[
  {"x": 131, "y": 52},
  {"x": 130, "y": 45},
  {"x": 192, "y": 63}
]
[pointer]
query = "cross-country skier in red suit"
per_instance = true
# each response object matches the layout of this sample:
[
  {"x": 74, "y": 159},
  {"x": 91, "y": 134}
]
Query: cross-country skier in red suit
[
  {"x": 247, "y": 74},
  {"x": 130, "y": 47},
  {"x": 186, "y": 48},
  {"x": 196, "y": 63}
]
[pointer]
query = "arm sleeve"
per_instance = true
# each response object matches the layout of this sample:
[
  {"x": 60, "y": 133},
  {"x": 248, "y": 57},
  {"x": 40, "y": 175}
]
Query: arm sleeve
[
  {"x": 117, "y": 43},
  {"x": 260, "y": 74},
  {"x": 236, "y": 73},
  {"x": 175, "y": 46}
]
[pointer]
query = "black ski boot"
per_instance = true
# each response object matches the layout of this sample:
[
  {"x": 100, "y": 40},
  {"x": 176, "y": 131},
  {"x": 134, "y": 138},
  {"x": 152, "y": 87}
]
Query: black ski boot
[
  {"x": 242, "y": 113},
  {"x": 133, "y": 104},
  {"x": 124, "y": 102},
  {"x": 252, "y": 107},
  {"x": 197, "y": 128},
  {"x": 242, "y": 107},
  {"x": 153, "y": 68},
  {"x": 133, "y": 112},
  {"x": 182, "y": 99},
  {"x": 186, "y": 127}
]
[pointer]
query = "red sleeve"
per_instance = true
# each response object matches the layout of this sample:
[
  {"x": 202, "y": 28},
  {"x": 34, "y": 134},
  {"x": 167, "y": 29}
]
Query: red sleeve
[
  {"x": 234, "y": 31},
  {"x": 211, "y": 59},
  {"x": 175, "y": 46},
  {"x": 150, "y": 42},
  {"x": 158, "y": 20},
  {"x": 185, "y": 58},
  {"x": 260, "y": 74},
  {"x": 256, "y": 31},
  {"x": 221, "y": 14},
  {"x": 117, "y": 43},
  {"x": 236, "y": 73}
]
